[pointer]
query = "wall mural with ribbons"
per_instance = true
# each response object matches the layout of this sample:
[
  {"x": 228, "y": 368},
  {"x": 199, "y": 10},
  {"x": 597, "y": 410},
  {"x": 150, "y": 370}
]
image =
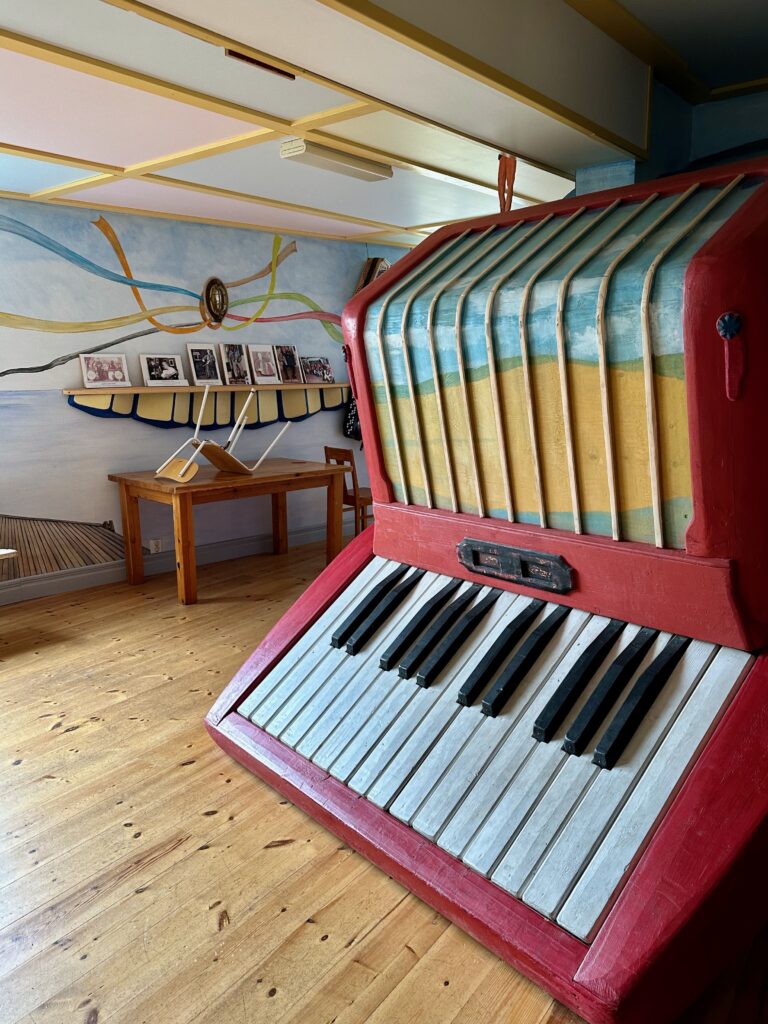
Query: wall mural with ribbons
[
  {"x": 79, "y": 281},
  {"x": 171, "y": 410}
]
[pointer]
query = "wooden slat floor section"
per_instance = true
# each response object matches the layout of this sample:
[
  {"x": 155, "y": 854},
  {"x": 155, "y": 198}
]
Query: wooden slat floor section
[
  {"x": 146, "y": 878},
  {"x": 51, "y": 545}
]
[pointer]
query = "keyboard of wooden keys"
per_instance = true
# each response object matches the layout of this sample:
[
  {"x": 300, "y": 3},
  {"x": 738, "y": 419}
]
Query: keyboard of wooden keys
[{"x": 541, "y": 748}]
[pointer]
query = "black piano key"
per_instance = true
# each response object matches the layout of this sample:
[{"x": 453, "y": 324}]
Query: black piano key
[
  {"x": 380, "y": 614},
  {"x": 523, "y": 662},
  {"x": 436, "y": 632},
  {"x": 606, "y": 692},
  {"x": 509, "y": 637},
  {"x": 416, "y": 626},
  {"x": 639, "y": 701},
  {"x": 575, "y": 682},
  {"x": 454, "y": 638},
  {"x": 369, "y": 602}
]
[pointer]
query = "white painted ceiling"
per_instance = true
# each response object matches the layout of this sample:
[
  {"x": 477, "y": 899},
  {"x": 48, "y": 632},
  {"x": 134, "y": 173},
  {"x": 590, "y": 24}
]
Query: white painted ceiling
[{"x": 114, "y": 109}]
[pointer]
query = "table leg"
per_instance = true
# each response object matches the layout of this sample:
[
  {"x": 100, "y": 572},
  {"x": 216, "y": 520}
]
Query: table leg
[
  {"x": 184, "y": 539},
  {"x": 134, "y": 557},
  {"x": 280, "y": 523},
  {"x": 333, "y": 516}
]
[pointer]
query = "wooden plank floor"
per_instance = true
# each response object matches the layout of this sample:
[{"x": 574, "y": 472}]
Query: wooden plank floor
[{"x": 146, "y": 878}]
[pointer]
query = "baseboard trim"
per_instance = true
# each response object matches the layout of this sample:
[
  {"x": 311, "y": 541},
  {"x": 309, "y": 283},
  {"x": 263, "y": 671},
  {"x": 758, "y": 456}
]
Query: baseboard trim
[{"x": 30, "y": 587}]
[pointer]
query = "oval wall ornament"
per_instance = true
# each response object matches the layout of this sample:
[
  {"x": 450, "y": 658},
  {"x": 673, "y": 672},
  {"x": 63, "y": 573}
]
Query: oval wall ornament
[{"x": 214, "y": 301}]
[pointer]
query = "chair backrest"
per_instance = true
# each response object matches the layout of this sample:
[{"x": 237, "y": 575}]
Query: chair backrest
[{"x": 345, "y": 457}]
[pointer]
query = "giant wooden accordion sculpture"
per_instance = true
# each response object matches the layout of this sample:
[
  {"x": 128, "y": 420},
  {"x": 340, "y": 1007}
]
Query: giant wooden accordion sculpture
[{"x": 527, "y": 692}]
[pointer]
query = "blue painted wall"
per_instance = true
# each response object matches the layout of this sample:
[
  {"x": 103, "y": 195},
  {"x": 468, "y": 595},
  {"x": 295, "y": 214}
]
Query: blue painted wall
[{"x": 681, "y": 134}]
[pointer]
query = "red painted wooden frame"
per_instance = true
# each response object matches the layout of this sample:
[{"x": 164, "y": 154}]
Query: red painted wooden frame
[
  {"x": 730, "y": 495},
  {"x": 695, "y": 898}
]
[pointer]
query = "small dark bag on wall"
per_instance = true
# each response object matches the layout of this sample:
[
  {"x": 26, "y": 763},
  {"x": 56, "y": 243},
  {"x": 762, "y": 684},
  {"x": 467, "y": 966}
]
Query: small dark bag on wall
[{"x": 351, "y": 425}]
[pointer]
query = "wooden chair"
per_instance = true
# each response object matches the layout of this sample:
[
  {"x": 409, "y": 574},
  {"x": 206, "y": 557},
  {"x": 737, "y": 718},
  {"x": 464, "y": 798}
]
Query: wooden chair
[{"x": 357, "y": 497}]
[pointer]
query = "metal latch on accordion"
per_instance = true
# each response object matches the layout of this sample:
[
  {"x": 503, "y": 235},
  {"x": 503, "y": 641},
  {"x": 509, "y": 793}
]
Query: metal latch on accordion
[{"x": 515, "y": 565}]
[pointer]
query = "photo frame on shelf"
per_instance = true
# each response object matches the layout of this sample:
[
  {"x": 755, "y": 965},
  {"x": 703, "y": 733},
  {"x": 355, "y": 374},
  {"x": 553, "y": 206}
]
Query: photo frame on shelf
[
  {"x": 162, "y": 370},
  {"x": 264, "y": 364},
  {"x": 234, "y": 361},
  {"x": 289, "y": 366},
  {"x": 316, "y": 370},
  {"x": 105, "y": 370},
  {"x": 203, "y": 363}
]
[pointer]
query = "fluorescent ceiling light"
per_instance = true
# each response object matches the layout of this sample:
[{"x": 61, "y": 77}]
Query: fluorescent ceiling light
[{"x": 310, "y": 153}]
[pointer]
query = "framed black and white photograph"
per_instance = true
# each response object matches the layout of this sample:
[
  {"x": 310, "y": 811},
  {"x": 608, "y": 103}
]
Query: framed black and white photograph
[
  {"x": 316, "y": 370},
  {"x": 234, "y": 361},
  {"x": 202, "y": 360},
  {"x": 288, "y": 364},
  {"x": 264, "y": 364},
  {"x": 162, "y": 370},
  {"x": 102, "y": 370}
]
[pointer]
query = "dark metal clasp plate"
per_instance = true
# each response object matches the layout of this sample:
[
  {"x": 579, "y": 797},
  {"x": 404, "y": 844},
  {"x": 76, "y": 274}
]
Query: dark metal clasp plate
[{"x": 516, "y": 565}]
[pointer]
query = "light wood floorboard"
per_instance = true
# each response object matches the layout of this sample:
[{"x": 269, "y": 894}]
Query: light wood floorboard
[{"x": 145, "y": 878}]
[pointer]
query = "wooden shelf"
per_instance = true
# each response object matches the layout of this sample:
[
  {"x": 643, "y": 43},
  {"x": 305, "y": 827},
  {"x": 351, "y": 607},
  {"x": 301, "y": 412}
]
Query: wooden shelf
[{"x": 193, "y": 389}]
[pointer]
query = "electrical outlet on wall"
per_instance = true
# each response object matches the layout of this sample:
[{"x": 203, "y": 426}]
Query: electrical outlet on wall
[{"x": 155, "y": 545}]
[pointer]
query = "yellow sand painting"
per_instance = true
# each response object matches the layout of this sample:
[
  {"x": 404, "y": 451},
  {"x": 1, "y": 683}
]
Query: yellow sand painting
[{"x": 630, "y": 446}]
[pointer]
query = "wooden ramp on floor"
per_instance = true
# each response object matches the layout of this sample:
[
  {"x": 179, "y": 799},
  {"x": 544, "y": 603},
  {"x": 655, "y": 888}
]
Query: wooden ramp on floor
[{"x": 51, "y": 545}]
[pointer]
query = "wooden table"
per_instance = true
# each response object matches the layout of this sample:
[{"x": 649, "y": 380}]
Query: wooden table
[{"x": 274, "y": 476}]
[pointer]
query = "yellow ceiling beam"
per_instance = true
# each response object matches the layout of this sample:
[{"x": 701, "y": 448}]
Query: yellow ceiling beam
[
  {"x": 58, "y": 191},
  {"x": 410, "y": 35},
  {"x": 627, "y": 30},
  {"x": 243, "y": 141},
  {"x": 278, "y": 204},
  {"x": 226, "y": 42},
  {"x": 215, "y": 221},
  {"x": 55, "y": 158},
  {"x": 725, "y": 92},
  {"x": 393, "y": 231},
  {"x": 336, "y": 115},
  {"x": 187, "y": 156},
  {"x": 73, "y": 186},
  {"x": 247, "y": 140},
  {"x": 52, "y": 54}
]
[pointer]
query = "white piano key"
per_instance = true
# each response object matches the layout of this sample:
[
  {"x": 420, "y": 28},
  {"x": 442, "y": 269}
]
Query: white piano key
[
  {"x": 371, "y": 714},
  {"x": 598, "y": 794},
  {"x": 550, "y": 805},
  {"x": 614, "y": 858},
  {"x": 562, "y": 788},
  {"x": 426, "y": 729},
  {"x": 315, "y": 671},
  {"x": 286, "y": 674},
  {"x": 402, "y": 692},
  {"x": 458, "y": 758},
  {"x": 499, "y": 746},
  {"x": 508, "y": 785},
  {"x": 318, "y": 718},
  {"x": 511, "y": 810},
  {"x": 462, "y": 723},
  {"x": 400, "y": 750},
  {"x": 327, "y": 680}
]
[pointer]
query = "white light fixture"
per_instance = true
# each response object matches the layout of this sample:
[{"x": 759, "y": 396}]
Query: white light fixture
[{"x": 310, "y": 153}]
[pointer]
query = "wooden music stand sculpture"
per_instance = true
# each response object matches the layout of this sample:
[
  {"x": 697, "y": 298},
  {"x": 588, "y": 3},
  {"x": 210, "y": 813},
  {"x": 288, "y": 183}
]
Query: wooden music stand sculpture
[{"x": 220, "y": 456}]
